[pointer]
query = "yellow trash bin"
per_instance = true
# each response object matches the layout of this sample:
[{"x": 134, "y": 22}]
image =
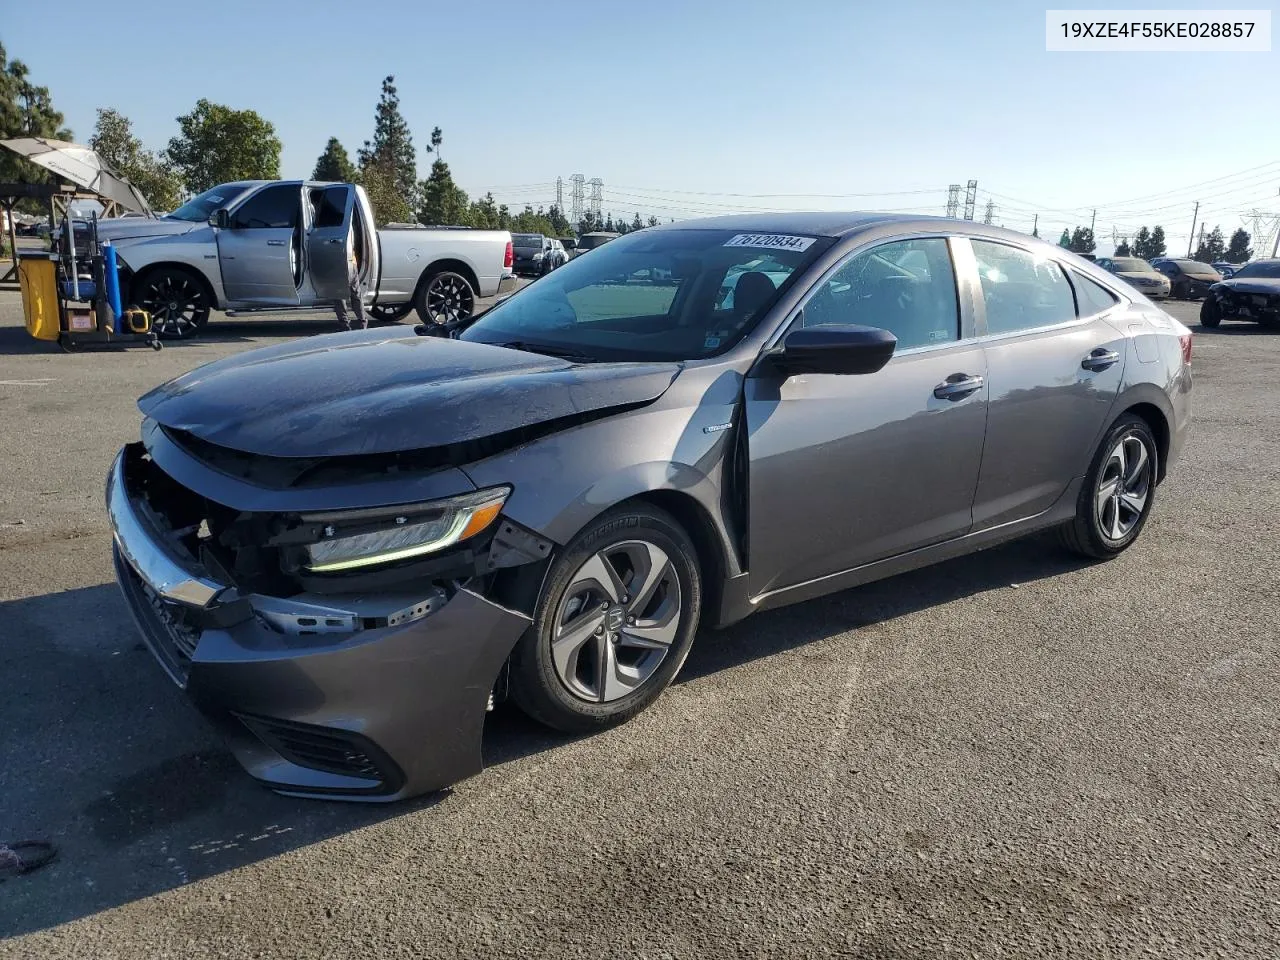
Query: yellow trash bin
[{"x": 37, "y": 279}]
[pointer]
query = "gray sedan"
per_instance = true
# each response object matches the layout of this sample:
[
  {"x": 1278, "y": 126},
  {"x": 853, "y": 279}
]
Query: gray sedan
[
  {"x": 348, "y": 548},
  {"x": 1154, "y": 284}
]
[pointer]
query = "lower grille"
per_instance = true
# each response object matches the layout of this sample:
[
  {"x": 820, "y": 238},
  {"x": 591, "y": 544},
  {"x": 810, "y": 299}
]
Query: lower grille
[
  {"x": 327, "y": 750},
  {"x": 170, "y": 634}
]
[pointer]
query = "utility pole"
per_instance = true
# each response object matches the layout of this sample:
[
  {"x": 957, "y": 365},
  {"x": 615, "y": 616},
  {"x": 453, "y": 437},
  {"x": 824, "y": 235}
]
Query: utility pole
[
  {"x": 1194, "y": 217},
  {"x": 1035, "y": 226},
  {"x": 1093, "y": 220}
]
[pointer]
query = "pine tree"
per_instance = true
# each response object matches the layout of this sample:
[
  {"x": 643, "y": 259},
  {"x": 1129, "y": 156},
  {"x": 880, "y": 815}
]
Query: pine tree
[
  {"x": 1238, "y": 250},
  {"x": 1157, "y": 242},
  {"x": 444, "y": 203},
  {"x": 1122, "y": 250},
  {"x": 334, "y": 164},
  {"x": 391, "y": 149},
  {"x": 1212, "y": 247},
  {"x": 1142, "y": 244}
]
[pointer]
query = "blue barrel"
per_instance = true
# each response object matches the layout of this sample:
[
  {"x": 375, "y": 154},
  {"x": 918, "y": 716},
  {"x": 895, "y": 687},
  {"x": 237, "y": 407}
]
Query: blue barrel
[{"x": 112, "y": 271}]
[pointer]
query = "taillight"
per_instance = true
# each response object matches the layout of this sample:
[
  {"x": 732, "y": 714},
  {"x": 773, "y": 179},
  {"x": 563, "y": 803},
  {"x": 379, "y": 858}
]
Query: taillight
[
  {"x": 1185, "y": 340},
  {"x": 509, "y": 257}
]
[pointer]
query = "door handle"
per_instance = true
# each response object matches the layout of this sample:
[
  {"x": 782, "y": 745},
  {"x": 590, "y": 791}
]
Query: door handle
[
  {"x": 1100, "y": 359},
  {"x": 275, "y": 243},
  {"x": 335, "y": 239},
  {"x": 957, "y": 386}
]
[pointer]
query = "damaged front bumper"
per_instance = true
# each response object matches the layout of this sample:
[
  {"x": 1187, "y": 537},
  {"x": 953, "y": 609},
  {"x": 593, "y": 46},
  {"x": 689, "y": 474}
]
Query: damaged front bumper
[{"x": 373, "y": 696}]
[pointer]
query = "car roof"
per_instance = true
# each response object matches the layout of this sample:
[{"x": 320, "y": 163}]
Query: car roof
[{"x": 842, "y": 224}]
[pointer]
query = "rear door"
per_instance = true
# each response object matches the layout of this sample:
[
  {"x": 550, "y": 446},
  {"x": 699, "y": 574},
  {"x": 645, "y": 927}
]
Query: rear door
[
  {"x": 1054, "y": 365},
  {"x": 260, "y": 251},
  {"x": 330, "y": 243}
]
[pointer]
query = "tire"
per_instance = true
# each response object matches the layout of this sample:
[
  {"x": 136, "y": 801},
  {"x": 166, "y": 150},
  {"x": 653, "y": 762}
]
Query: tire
[
  {"x": 444, "y": 298},
  {"x": 389, "y": 312},
  {"x": 176, "y": 299},
  {"x": 1210, "y": 313},
  {"x": 1182, "y": 291},
  {"x": 1105, "y": 526},
  {"x": 644, "y": 638}
]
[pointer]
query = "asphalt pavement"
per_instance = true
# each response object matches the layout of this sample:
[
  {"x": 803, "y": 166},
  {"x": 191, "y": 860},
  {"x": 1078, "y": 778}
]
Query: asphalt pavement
[{"x": 1012, "y": 754}]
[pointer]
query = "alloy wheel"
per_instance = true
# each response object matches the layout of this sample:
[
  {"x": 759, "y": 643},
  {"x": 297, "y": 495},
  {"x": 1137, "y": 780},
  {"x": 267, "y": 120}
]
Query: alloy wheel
[
  {"x": 617, "y": 621},
  {"x": 1124, "y": 488},
  {"x": 449, "y": 299},
  {"x": 175, "y": 303}
]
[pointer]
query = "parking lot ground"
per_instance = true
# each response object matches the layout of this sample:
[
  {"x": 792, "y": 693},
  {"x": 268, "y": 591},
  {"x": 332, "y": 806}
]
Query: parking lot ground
[{"x": 1011, "y": 754}]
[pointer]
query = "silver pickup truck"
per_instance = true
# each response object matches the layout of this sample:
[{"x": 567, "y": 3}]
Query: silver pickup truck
[{"x": 281, "y": 244}]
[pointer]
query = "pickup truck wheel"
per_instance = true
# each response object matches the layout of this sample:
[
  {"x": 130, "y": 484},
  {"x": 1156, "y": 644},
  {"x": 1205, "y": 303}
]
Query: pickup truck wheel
[
  {"x": 175, "y": 299},
  {"x": 445, "y": 299},
  {"x": 390, "y": 312}
]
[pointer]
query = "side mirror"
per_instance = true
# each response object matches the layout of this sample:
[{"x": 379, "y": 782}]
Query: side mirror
[
  {"x": 835, "y": 348},
  {"x": 220, "y": 219}
]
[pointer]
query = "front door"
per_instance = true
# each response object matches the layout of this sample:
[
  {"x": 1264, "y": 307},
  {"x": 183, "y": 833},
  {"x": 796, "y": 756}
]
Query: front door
[
  {"x": 846, "y": 470},
  {"x": 1055, "y": 365},
  {"x": 260, "y": 250},
  {"x": 330, "y": 244}
]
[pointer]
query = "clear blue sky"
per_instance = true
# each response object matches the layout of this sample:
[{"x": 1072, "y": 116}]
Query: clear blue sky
[{"x": 709, "y": 98}]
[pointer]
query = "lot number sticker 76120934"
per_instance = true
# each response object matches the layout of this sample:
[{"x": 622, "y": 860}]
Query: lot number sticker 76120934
[{"x": 771, "y": 241}]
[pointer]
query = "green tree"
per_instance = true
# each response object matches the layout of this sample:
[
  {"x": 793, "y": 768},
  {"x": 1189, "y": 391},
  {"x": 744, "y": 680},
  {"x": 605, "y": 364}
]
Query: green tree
[
  {"x": 389, "y": 204},
  {"x": 637, "y": 223},
  {"x": 529, "y": 220},
  {"x": 653, "y": 221},
  {"x": 114, "y": 142},
  {"x": 1122, "y": 250},
  {"x": 1238, "y": 250},
  {"x": 1081, "y": 240},
  {"x": 559, "y": 222},
  {"x": 217, "y": 144},
  {"x": 1141, "y": 245},
  {"x": 1065, "y": 239},
  {"x": 443, "y": 202},
  {"x": 391, "y": 149},
  {"x": 1212, "y": 247},
  {"x": 1157, "y": 242},
  {"x": 26, "y": 110},
  {"x": 484, "y": 213},
  {"x": 335, "y": 164}
]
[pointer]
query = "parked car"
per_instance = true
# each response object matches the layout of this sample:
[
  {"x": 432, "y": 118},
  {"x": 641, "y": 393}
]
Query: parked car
[
  {"x": 1138, "y": 273},
  {"x": 1253, "y": 293},
  {"x": 281, "y": 244},
  {"x": 1188, "y": 279},
  {"x": 1226, "y": 269},
  {"x": 570, "y": 245},
  {"x": 536, "y": 255},
  {"x": 596, "y": 238},
  {"x": 346, "y": 549}
]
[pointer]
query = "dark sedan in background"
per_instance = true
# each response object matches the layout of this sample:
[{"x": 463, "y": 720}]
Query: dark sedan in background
[
  {"x": 1138, "y": 273},
  {"x": 1251, "y": 293},
  {"x": 346, "y": 548},
  {"x": 536, "y": 255},
  {"x": 1188, "y": 279}
]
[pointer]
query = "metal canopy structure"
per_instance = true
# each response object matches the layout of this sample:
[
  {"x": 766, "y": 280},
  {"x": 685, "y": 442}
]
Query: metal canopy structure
[{"x": 81, "y": 165}]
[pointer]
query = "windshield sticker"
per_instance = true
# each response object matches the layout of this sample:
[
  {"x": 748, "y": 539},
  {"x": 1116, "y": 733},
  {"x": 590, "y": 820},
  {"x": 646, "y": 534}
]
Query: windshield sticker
[
  {"x": 710, "y": 343},
  {"x": 216, "y": 199},
  {"x": 771, "y": 241}
]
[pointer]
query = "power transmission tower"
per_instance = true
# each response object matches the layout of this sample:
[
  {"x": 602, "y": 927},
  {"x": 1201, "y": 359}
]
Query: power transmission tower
[
  {"x": 560, "y": 194},
  {"x": 970, "y": 199},
  {"x": 1264, "y": 231},
  {"x": 597, "y": 195},
  {"x": 990, "y": 213},
  {"x": 575, "y": 194},
  {"x": 953, "y": 201}
]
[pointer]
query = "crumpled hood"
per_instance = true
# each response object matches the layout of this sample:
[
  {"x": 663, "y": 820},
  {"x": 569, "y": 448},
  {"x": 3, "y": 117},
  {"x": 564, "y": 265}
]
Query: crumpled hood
[
  {"x": 128, "y": 228},
  {"x": 382, "y": 392},
  {"x": 1259, "y": 285}
]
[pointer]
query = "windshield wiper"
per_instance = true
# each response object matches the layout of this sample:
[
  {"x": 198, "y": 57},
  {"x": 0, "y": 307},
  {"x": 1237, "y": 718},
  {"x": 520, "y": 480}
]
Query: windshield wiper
[{"x": 559, "y": 353}]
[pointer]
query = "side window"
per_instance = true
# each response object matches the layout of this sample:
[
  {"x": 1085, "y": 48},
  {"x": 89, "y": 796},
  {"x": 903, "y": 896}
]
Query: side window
[
  {"x": 270, "y": 207},
  {"x": 907, "y": 287},
  {"x": 1022, "y": 291},
  {"x": 1091, "y": 297},
  {"x": 331, "y": 206}
]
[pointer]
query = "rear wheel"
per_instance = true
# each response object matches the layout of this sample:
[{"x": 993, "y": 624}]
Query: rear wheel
[
  {"x": 1210, "y": 313},
  {"x": 445, "y": 299},
  {"x": 176, "y": 300},
  {"x": 390, "y": 312},
  {"x": 1118, "y": 492},
  {"x": 614, "y": 624}
]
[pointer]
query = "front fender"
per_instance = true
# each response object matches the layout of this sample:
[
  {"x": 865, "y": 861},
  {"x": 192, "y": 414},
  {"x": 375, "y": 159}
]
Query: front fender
[{"x": 196, "y": 251}]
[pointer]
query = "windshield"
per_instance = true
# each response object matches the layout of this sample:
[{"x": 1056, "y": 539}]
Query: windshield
[
  {"x": 669, "y": 295},
  {"x": 1262, "y": 271},
  {"x": 1195, "y": 267},
  {"x": 590, "y": 242},
  {"x": 200, "y": 208},
  {"x": 527, "y": 239},
  {"x": 1130, "y": 265}
]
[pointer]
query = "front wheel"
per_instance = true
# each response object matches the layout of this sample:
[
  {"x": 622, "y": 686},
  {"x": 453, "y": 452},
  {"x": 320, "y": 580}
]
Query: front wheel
[
  {"x": 445, "y": 299},
  {"x": 1210, "y": 313},
  {"x": 176, "y": 300},
  {"x": 614, "y": 623},
  {"x": 390, "y": 312},
  {"x": 1118, "y": 492}
]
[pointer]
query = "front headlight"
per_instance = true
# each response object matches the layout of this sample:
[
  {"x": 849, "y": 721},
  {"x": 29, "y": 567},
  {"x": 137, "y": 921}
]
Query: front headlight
[{"x": 401, "y": 534}]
